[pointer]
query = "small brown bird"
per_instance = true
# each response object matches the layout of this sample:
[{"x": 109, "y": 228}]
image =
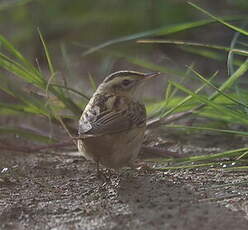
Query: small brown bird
[{"x": 112, "y": 126}]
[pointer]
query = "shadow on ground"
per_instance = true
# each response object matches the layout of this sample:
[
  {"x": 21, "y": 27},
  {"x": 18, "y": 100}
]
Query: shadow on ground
[{"x": 53, "y": 192}]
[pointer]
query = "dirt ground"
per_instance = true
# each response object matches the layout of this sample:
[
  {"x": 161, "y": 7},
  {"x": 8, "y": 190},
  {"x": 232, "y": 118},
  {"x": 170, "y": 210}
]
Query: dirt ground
[{"x": 48, "y": 191}]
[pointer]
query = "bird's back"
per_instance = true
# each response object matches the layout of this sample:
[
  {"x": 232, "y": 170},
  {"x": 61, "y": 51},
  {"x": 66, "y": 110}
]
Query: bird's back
[{"x": 112, "y": 130}]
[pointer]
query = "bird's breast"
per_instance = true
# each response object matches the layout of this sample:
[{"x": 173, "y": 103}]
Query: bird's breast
[{"x": 113, "y": 150}]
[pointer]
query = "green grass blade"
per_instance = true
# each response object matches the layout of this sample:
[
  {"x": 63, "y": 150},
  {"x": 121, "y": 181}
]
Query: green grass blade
[
  {"x": 221, "y": 109},
  {"x": 197, "y": 44},
  {"x": 66, "y": 100},
  {"x": 13, "y": 51},
  {"x": 210, "y": 54},
  {"x": 186, "y": 99},
  {"x": 34, "y": 104},
  {"x": 208, "y": 157},
  {"x": 230, "y": 57},
  {"x": 244, "y": 155},
  {"x": 7, "y": 108},
  {"x": 218, "y": 90},
  {"x": 238, "y": 168},
  {"x": 235, "y": 28},
  {"x": 225, "y": 131},
  {"x": 30, "y": 77},
  {"x": 20, "y": 71},
  {"x": 171, "y": 29},
  {"x": 233, "y": 78},
  {"x": 49, "y": 61},
  {"x": 192, "y": 166},
  {"x": 86, "y": 98}
]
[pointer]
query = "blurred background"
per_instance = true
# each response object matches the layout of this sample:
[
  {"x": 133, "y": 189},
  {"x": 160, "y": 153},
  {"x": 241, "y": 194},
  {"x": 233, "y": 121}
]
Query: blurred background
[
  {"x": 71, "y": 27},
  {"x": 87, "y": 40}
]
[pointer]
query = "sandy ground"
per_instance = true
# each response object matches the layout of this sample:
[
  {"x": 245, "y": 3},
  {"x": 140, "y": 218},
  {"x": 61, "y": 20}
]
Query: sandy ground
[{"x": 45, "y": 191}]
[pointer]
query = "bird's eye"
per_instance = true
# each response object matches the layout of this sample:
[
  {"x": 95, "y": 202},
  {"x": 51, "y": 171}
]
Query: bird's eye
[{"x": 126, "y": 82}]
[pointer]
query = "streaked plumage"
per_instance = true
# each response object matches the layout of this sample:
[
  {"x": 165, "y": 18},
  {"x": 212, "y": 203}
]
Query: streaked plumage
[{"x": 111, "y": 128}]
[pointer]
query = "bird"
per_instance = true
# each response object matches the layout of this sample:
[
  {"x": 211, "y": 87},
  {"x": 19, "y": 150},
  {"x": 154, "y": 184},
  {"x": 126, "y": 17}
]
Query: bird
[{"x": 112, "y": 126}]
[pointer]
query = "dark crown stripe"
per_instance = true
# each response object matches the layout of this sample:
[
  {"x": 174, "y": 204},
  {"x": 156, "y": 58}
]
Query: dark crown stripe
[{"x": 121, "y": 74}]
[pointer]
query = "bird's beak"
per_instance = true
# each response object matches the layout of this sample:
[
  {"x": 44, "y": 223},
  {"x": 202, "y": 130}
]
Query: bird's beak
[{"x": 151, "y": 75}]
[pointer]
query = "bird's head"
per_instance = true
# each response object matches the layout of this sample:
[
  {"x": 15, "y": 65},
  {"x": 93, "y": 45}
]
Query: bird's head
[{"x": 124, "y": 82}]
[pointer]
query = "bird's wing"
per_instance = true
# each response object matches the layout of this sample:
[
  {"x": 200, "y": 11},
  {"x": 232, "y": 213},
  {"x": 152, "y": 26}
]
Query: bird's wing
[{"x": 108, "y": 122}]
